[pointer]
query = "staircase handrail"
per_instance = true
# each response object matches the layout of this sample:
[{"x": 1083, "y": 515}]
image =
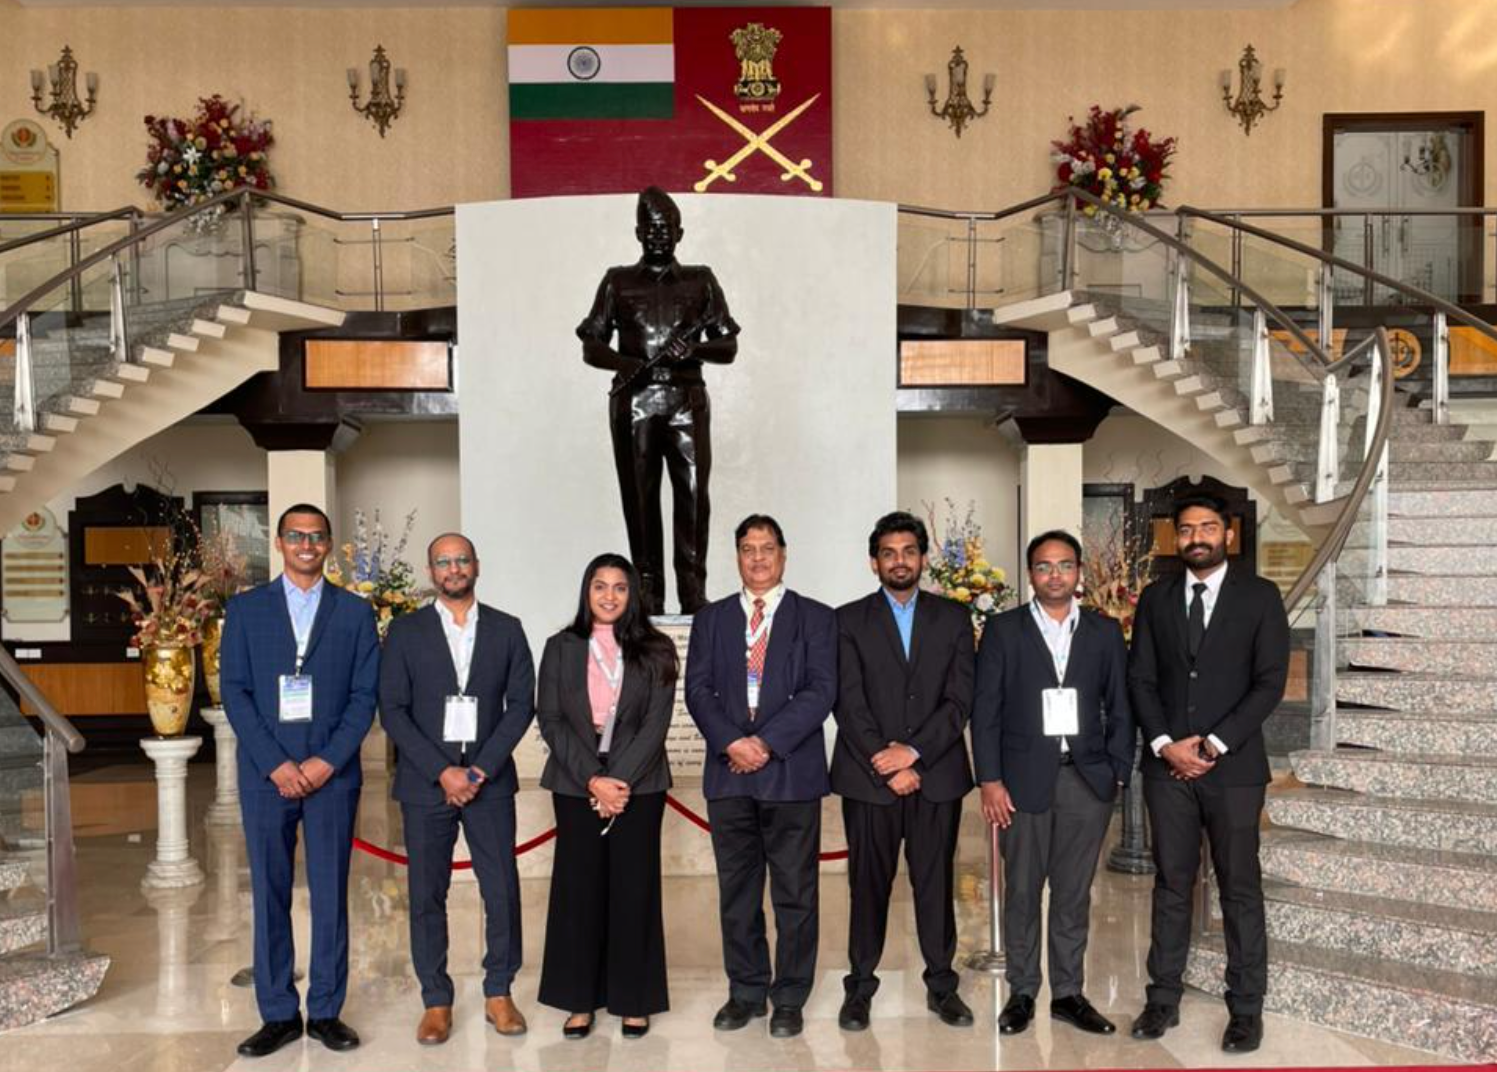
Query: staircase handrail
[
  {"x": 1420, "y": 297},
  {"x": 1330, "y": 548},
  {"x": 76, "y": 222},
  {"x": 57, "y": 723}
]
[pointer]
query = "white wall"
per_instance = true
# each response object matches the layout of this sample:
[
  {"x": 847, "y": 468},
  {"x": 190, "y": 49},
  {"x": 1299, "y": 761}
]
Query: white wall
[
  {"x": 803, "y": 423},
  {"x": 967, "y": 460}
]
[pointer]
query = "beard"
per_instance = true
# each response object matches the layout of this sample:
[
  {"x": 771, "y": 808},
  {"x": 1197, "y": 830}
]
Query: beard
[{"x": 900, "y": 584}]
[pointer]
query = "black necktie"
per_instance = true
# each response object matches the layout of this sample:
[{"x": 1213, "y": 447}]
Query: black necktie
[{"x": 1195, "y": 621}]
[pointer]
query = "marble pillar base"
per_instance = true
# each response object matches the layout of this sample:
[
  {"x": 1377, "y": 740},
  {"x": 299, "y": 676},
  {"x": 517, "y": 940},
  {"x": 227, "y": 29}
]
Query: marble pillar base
[
  {"x": 173, "y": 867},
  {"x": 375, "y": 753},
  {"x": 224, "y": 811}
]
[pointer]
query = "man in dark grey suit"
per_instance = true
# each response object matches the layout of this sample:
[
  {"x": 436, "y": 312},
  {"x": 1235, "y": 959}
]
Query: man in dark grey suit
[
  {"x": 457, "y": 691},
  {"x": 1053, "y": 738}
]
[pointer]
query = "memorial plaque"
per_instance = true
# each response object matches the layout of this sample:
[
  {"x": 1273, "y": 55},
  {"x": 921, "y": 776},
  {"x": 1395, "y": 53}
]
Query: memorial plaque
[
  {"x": 684, "y": 745},
  {"x": 28, "y": 169}
]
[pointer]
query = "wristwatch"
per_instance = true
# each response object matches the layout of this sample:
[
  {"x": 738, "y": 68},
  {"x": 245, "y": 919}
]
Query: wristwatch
[{"x": 474, "y": 778}]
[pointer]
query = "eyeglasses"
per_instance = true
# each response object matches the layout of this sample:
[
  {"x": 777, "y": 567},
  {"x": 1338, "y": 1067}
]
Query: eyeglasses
[
  {"x": 296, "y": 538},
  {"x": 448, "y": 561},
  {"x": 1045, "y": 569}
]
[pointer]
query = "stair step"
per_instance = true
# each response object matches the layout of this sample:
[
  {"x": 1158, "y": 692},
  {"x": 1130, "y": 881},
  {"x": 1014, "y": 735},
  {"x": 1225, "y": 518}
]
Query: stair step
[
  {"x": 34, "y": 986},
  {"x": 1081, "y": 314},
  {"x": 1101, "y": 329},
  {"x": 1428, "y": 623},
  {"x": 1399, "y": 451},
  {"x": 101, "y": 388},
  {"x": 1414, "y": 692},
  {"x": 1449, "y": 531},
  {"x": 1452, "y": 825},
  {"x": 183, "y": 343},
  {"x": 1440, "y": 1011},
  {"x": 1421, "y": 656},
  {"x": 1125, "y": 340},
  {"x": 17, "y": 463},
  {"x": 1430, "y": 560},
  {"x": 208, "y": 329},
  {"x": 1449, "y": 501},
  {"x": 58, "y": 423},
  {"x": 1421, "y": 472},
  {"x": 157, "y": 357},
  {"x": 1449, "y": 732},
  {"x": 1227, "y": 418},
  {"x": 1146, "y": 355},
  {"x": 23, "y": 921},
  {"x": 1432, "y": 876},
  {"x": 1425, "y": 936},
  {"x": 126, "y": 372},
  {"x": 12, "y": 875},
  {"x": 1424, "y": 776},
  {"x": 1194, "y": 384},
  {"x": 237, "y": 316}
]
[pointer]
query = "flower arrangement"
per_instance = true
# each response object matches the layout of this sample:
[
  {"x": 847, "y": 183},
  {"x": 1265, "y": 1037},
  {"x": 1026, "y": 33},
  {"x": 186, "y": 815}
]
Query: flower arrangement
[
  {"x": 169, "y": 605},
  {"x": 191, "y": 160},
  {"x": 1114, "y": 574},
  {"x": 225, "y": 569},
  {"x": 1107, "y": 160},
  {"x": 371, "y": 567},
  {"x": 957, "y": 569}
]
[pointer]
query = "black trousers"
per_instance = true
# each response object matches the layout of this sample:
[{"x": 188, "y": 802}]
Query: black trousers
[
  {"x": 669, "y": 425},
  {"x": 488, "y": 822},
  {"x": 749, "y": 836},
  {"x": 1059, "y": 846},
  {"x": 605, "y": 938},
  {"x": 1229, "y": 815},
  {"x": 874, "y": 832}
]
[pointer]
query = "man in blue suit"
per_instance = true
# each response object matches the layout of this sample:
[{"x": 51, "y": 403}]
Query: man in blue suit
[
  {"x": 761, "y": 678},
  {"x": 300, "y": 672}
]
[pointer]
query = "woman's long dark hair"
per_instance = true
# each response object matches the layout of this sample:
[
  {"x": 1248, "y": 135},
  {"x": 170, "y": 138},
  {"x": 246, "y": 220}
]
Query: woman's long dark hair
[{"x": 643, "y": 645}]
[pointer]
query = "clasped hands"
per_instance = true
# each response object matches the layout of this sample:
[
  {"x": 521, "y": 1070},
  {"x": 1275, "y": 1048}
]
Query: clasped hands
[
  {"x": 1186, "y": 759},
  {"x": 747, "y": 754},
  {"x": 896, "y": 764},
  {"x": 458, "y": 788},
  {"x": 609, "y": 795},
  {"x": 296, "y": 780}
]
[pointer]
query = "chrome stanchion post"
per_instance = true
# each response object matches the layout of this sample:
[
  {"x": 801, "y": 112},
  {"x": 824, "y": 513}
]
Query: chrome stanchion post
[{"x": 992, "y": 959}]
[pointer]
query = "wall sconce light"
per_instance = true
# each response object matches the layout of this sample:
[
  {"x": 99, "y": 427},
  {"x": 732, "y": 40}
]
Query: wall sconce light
[
  {"x": 382, "y": 107},
  {"x": 1249, "y": 107},
  {"x": 958, "y": 109},
  {"x": 65, "y": 108}
]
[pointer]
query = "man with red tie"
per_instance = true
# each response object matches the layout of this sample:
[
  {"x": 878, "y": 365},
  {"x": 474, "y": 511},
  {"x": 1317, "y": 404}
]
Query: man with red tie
[{"x": 761, "y": 678}]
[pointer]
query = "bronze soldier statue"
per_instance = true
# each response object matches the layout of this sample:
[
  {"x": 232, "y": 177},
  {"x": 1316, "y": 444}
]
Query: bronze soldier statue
[{"x": 670, "y": 318}]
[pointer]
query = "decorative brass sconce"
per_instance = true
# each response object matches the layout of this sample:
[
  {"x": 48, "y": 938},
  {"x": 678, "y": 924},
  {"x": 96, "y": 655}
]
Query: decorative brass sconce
[
  {"x": 1249, "y": 107},
  {"x": 382, "y": 108},
  {"x": 65, "y": 108},
  {"x": 958, "y": 109}
]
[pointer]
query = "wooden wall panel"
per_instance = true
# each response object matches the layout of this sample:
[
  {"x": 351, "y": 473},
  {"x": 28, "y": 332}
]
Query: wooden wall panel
[
  {"x": 89, "y": 688},
  {"x": 125, "y": 545},
  {"x": 961, "y": 362},
  {"x": 377, "y": 365}
]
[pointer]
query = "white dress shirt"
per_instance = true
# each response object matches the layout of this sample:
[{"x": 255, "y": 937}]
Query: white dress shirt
[
  {"x": 1213, "y": 582},
  {"x": 460, "y": 640},
  {"x": 1057, "y": 634}
]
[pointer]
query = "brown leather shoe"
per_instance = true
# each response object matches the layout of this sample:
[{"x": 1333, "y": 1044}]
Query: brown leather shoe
[
  {"x": 507, "y": 1019},
  {"x": 435, "y": 1026}
]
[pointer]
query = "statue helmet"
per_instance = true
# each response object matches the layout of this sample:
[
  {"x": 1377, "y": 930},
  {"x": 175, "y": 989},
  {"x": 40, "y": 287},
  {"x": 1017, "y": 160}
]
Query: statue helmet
[{"x": 655, "y": 203}]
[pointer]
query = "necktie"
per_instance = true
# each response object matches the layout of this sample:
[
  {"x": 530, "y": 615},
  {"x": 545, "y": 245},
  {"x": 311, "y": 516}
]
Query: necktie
[
  {"x": 1196, "y": 620},
  {"x": 759, "y": 646}
]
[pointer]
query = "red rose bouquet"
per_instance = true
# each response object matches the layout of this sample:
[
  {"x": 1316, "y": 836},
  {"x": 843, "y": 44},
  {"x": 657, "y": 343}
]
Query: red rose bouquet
[
  {"x": 1103, "y": 157},
  {"x": 191, "y": 160}
]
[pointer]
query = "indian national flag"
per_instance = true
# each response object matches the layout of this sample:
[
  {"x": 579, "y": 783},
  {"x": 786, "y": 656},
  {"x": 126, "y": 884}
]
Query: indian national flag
[{"x": 591, "y": 63}]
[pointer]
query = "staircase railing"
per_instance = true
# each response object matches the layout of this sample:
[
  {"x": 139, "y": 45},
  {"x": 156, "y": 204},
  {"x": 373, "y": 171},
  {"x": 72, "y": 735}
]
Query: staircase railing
[{"x": 64, "y": 931}]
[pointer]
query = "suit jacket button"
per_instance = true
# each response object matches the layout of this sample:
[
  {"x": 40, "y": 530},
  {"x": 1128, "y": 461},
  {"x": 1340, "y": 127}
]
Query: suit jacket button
[
  {"x": 1194, "y": 674},
  {"x": 1191, "y": 708}
]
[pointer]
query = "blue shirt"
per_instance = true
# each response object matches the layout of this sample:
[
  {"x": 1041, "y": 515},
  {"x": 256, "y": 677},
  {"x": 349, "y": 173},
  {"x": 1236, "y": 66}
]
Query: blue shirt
[
  {"x": 904, "y": 617},
  {"x": 302, "y": 606}
]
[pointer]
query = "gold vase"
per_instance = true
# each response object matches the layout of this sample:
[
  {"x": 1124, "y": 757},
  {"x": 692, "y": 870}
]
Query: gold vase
[
  {"x": 169, "y": 679},
  {"x": 213, "y": 633}
]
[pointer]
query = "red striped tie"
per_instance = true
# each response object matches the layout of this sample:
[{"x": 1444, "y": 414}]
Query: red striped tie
[{"x": 759, "y": 646}]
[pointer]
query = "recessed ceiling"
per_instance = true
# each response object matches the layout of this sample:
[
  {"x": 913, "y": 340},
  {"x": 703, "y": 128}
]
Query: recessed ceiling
[{"x": 954, "y": 5}]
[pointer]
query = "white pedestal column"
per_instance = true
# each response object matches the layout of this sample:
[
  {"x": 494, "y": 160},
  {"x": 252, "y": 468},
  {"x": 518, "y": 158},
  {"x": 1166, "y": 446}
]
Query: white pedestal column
[
  {"x": 1051, "y": 480},
  {"x": 173, "y": 867},
  {"x": 224, "y": 811},
  {"x": 299, "y": 476}
]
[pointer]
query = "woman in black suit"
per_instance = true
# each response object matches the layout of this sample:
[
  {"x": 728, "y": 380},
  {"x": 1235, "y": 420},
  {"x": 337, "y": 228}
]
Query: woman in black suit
[{"x": 607, "y": 690}]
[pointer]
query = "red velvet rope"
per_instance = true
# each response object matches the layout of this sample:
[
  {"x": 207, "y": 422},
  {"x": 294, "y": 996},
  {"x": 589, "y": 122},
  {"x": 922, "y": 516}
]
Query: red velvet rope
[{"x": 540, "y": 839}]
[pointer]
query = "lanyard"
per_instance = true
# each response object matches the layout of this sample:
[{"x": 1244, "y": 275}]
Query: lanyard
[
  {"x": 301, "y": 629},
  {"x": 614, "y": 676},
  {"x": 753, "y": 636},
  {"x": 462, "y": 651},
  {"x": 1060, "y": 648}
]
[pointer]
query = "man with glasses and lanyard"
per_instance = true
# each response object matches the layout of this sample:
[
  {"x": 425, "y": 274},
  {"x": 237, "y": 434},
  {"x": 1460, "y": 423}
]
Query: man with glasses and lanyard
[
  {"x": 300, "y": 670},
  {"x": 456, "y": 694},
  {"x": 1053, "y": 738}
]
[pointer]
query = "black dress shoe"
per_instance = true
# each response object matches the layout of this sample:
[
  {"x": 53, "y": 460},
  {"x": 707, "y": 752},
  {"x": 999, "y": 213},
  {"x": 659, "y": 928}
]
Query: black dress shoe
[
  {"x": 853, "y": 1015},
  {"x": 736, "y": 1014},
  {"x": 1016, "y": 1014},
  {"x": 1155, "y": 1020},
  {"x": 1078, "y": 1012},
  {"x": 1244, "y": 1034},
  {"x": 951, "y": 1008},
  {"x": 273, "y": 1034},
  {"x": 785, "y": 1022},
  {"x": 637, "y": 1030},
  {"x": 333, "y": 1033},
  {"x": 580, "y": 1031}
]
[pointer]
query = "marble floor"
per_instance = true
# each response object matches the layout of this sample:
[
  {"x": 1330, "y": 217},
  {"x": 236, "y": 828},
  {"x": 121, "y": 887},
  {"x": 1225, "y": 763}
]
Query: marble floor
[{"x": 168, "y": 1003}]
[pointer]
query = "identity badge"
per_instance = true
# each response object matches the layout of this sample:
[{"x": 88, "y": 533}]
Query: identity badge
[
  {"x": 460, "y": 719},
  {"x": 753, "y": 691},
  {"x": 1062, "y": 718},
  {"x": 296, "y": 698}
]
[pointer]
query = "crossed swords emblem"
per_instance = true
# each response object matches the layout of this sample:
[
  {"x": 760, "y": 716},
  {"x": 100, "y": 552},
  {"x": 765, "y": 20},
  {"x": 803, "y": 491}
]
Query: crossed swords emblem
[{"x": 757, "y": 143}]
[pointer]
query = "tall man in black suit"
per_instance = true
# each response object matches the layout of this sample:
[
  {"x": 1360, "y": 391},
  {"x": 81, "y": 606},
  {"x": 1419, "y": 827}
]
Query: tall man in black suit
[
  {"x": 457, "y": 691},
  {"x": 761, "y": 678},
  {"x": 1210, "y": 656},
  {"x": 900, "y": 765},
  {"x": 1053, "y": 737}
]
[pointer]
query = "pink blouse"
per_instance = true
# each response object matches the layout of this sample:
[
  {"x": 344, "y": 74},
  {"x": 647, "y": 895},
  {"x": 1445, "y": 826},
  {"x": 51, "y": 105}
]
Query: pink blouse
[{"x": 600, "y": 694}]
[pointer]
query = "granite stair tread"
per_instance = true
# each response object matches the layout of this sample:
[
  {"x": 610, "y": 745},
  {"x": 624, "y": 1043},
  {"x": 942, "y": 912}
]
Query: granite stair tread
[
  {"x": 1418, "y": 822},
  {"x": 1479, "y": 865},
  {"x": 1404, "y": 774},
  {"x": 12, "y": 875},
  {"x": 1441, "y": 1011},
  {"x": 1472, "y": 922},
  {"x": 34, "y": 986}
]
